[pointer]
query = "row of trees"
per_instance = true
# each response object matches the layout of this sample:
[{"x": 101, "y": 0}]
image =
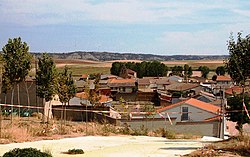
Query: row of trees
[
  {"x": 158, "y": 69},
  {"x": 144, "y": 68},
  {"x": 17, "y": 64}
]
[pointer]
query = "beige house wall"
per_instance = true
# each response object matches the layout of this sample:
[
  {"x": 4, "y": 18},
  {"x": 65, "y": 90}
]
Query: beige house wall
[{"x": 195, "y": 114}]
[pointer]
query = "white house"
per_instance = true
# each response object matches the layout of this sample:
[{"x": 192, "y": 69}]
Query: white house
[{"x": 191, "y": 110}]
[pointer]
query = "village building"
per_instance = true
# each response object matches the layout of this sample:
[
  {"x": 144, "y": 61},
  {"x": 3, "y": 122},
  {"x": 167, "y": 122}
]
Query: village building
[{"x": 177, "y": 92}]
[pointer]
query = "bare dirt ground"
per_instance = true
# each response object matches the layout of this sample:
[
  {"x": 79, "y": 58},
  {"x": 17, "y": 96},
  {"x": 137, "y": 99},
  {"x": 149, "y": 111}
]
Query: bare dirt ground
[{"x": 109, "y": 146}]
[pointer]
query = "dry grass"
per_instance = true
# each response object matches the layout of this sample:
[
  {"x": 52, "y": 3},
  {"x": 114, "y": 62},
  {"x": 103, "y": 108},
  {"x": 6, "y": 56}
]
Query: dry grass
[
  {"x": 24, "y": 129},
  {"x": 31, "y": 129},
  {"x": 235, "y": 146}
]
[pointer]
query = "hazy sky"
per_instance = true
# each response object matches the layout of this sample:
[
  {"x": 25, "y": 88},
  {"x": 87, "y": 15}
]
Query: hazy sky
[{"x": 139, "y": 26}]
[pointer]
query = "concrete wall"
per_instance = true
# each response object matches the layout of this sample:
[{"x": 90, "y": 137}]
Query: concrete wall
[{"x": 191, "y": 128}]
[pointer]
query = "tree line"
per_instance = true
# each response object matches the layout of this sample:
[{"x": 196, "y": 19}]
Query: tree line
[
  {"x": 158, "y": 69},
  {"x": 151, "y": 69}
]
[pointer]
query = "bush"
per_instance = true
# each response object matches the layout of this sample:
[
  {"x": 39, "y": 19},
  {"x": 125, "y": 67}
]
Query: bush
[
  {"x": 26, "y": 152},
  {"x": 142, "y": 131},
  {"x": 75, "y": 151},
  {"x": 166, "y": 133}
]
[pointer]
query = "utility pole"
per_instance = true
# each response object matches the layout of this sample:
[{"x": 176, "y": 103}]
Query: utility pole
[{"x": 222, "y": 132}]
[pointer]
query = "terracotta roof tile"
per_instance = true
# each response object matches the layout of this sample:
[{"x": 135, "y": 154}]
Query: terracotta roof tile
[
  {"x": 103, "y": 99},
  {"x": 122, "y": 81},
  {"x": 235, "y": 89},
  {"x": 223, "y": 78},
  {"x": 84, "y": 76},
  {"x": 181, "y": 86},
  {"x": 196, "y": 103}
]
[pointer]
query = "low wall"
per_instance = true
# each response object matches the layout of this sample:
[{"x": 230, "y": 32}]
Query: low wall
[
  {"x": 78, "y": 113},
  {"x": 192, "y": 128},
  {"x": 151, "y": 124}
]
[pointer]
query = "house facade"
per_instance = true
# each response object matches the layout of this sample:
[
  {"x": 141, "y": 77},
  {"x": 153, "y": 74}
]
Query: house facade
[
  {"x": 122, "y": 85},
  {"x": 191, "y": 110}
]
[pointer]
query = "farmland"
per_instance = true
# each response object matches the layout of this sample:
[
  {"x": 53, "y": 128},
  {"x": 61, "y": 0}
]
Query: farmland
[{"x": 79, "y": 67}]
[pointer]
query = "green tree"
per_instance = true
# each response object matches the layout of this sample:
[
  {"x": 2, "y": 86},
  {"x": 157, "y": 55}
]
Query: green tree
[
  {"x": 115, "y": 68},
  {"x": 154, "y": 69},
  {"x": 66, "y": 88},
  {"x": 177, "y": 70},
  {"x": 235, "y": 111},
  {"x": 238, "y": 62},
  {"x": 204, "y": 71},
  {"x": 238, "y": 67},
  {"x": 220, "y": 70},
  {"x": 214, "y": 78},
  {"x": 93, "y": 94},
  {"x": 188, "y": 72},
  {"x": 6, "y": 86},
  {"x": 46, "y": 79},
  {"x": 16, "y": 64}
]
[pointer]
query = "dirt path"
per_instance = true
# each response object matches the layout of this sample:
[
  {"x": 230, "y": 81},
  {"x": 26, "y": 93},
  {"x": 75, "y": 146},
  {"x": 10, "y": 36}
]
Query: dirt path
[{"x": 109, "y": 146}]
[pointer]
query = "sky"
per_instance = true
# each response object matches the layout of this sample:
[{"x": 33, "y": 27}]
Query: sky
[{"x": 163, "y": 27}]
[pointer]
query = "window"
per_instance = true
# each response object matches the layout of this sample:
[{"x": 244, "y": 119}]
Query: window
[{"x": 184, "y": 115}]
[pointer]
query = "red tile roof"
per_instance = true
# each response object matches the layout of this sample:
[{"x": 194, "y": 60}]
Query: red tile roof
[
  {"x": 223, "y": 78},
  {"x": 122, "y": 81},
  {"x": 103, "y": 99},
  {"x": 196, "y": 103},
  {"x": 235, "y": 89},
  {"x": 84, "y": 76},
  {"x": 181, "y": 86}
]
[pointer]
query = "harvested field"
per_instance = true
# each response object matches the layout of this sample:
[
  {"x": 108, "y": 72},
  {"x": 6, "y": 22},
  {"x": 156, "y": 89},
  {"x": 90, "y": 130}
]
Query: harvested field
[
  {"x": 136, "y": 61},
  {"x": 79, "y": 67}
]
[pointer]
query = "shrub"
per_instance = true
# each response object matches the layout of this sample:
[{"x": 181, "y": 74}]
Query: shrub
[
  {"x": 75, "y": 151},
  {"x": 28, "y": 152},
  {"x": 142, "y": 131},
  {"x": 166, "y": 133}
]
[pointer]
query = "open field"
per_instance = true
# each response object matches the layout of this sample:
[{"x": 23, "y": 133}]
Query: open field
[
  {"x": 195, "y": 64},
  {"x": 83, "y": 66},
  {"x": 79, "y": 67}
]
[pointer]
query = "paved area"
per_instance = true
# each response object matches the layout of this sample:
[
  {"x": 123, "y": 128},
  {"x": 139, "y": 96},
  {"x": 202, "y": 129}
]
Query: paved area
[{"x": 110, "y": 146}]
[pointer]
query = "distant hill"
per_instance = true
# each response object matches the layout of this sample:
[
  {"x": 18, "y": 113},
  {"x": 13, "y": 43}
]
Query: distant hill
[{"x": 105, "y": 56}]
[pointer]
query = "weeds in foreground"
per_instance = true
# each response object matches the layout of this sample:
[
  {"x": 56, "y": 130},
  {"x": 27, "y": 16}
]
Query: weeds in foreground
[
  {"x": 24, "y": 129},
  {"x": 236, "y": 146},
  {"x": 165, "y": 133}
]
